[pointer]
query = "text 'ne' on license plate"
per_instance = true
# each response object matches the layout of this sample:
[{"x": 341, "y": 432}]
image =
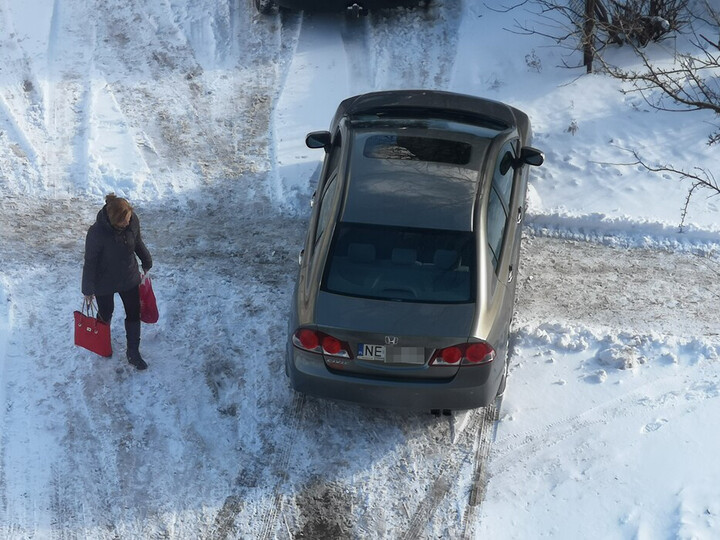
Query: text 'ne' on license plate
[{"x": 371, "y": 352}]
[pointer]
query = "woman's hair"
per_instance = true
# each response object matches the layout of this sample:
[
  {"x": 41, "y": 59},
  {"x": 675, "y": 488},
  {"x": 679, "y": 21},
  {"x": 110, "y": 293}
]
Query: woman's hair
[{"x": 117, "y": 209}]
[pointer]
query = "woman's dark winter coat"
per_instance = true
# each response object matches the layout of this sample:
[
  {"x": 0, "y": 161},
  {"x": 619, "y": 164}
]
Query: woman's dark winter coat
[{"x": 110, "y": 262}]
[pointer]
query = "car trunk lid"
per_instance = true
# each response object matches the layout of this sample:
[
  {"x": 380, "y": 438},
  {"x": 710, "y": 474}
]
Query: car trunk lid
[{"x": 392, "y": 339}]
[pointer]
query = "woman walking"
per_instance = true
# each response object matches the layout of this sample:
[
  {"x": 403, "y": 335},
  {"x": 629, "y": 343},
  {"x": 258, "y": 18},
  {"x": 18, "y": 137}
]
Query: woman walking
[{"x": 112, "y": 246}]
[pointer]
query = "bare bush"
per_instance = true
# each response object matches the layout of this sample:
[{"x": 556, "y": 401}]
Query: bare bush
[
  {"x": 690, "y": 83},
  {"x": 592, "y": 25},
  {"x": 638, "y": 22}
]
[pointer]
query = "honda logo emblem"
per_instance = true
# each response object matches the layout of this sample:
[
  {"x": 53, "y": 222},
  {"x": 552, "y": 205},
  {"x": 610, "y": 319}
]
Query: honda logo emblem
[{"x": 391, "y": 340}]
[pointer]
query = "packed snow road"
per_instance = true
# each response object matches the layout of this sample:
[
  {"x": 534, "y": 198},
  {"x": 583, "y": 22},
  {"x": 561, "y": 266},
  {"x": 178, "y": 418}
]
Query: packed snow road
[
  {"x": 640, "y": 290},
  {"x": 212, "y": 442},
  {"x": 187, "y": 108}
]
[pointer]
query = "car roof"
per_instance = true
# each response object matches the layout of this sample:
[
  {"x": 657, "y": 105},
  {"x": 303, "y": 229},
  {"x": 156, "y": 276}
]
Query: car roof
[{"x": 392, "y": 190}]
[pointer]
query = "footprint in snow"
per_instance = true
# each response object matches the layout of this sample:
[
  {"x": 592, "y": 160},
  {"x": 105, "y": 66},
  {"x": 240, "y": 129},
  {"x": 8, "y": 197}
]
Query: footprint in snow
[{"x": 654, "y": 426}]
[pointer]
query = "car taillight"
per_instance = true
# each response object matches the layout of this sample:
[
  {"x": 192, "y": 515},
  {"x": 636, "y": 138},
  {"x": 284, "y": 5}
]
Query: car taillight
[
  {"x": 466, "y": 354},
  {"x": 306, "y": 339},
  {"x": 331, "y": 345},
  {"x": 451, "y": 355},
  {"x": 321, "y": 343},
  {"x": 479, "y": 353}
]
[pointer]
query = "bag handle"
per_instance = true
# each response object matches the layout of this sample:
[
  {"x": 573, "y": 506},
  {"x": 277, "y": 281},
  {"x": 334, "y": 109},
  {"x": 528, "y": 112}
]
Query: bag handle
[{"x": 89, "y": 307}]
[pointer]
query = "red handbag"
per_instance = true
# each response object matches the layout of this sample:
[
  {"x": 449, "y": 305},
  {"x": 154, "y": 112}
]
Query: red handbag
[
  {"x": 148, "y": 304},
  {"x": 90, "y": 332}
]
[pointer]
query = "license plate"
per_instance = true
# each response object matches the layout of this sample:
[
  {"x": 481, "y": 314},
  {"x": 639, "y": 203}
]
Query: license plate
[
  {"x": 395, "y": 355},
  {"x": 407, "y": 355},
  {"x": 371, "y": 352}
]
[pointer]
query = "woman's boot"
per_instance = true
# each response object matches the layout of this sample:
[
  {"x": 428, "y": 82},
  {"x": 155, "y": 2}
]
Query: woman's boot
[{"x": 132, "y": 330}]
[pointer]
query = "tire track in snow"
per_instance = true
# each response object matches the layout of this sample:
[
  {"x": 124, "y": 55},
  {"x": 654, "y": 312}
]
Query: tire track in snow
[
  {"x": 389, "y": 48},
  {"x": 476, "y": 431},
  {"x": 5, "y": 332},
  {"x": 96, "y": 479},
  {"x": 227, "y": 275},
  {"x": 484, "y": 440},
  {"x": 39, "y": 245},
  {"x": 560, "y": 430},
  {"x": 481, "y": 476},
  {"x": 17, "y": 103},
  {"x": 269, "y": 520},
  {"x": 31, "y": 420},
  {"x": 21, "y": 146},
  {"x": 415, "y": 48},
  {"x": 361, "y": 60},
  {"x": 659, "y": 391},
  {"x": 68, "y": 96},
  {"x": 208, "y": 120}
]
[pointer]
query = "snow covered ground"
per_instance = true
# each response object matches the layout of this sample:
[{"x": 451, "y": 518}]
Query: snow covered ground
[{"x": 197, "y": 111}]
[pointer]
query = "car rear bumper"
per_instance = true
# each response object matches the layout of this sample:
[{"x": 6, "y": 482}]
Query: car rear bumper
[{"x": 472, "y": 387}]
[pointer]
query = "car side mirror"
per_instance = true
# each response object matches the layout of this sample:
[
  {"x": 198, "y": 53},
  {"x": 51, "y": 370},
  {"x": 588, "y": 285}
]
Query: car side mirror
[
  {"x": 318, "y": 139},
  {"x": 531, "y": 156}
]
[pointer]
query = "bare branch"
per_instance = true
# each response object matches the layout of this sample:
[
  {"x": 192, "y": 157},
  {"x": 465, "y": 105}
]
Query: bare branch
[
  {"x": 701, "y": 179},
  {"x": 507, "y": 9}
]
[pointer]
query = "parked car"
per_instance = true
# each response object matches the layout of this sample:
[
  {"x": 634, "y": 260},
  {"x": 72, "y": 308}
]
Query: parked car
[
  {"x": 406, "y": 285},
  {"x": 352, "y": 6}
]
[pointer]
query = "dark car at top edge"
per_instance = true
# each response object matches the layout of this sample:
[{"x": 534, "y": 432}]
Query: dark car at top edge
[
  {"x": 406, "y": 285},
  {"x": 351, "y": 6}
]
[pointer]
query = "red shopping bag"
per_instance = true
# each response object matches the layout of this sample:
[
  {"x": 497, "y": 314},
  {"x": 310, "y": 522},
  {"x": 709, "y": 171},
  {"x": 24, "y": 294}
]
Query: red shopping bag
[
  {"x": 90, "y": 332},
  {"x": 148, "y": 305}
]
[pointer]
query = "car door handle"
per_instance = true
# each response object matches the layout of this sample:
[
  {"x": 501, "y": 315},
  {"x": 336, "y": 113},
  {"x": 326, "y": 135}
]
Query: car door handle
[{"x": 520, "y": 214}]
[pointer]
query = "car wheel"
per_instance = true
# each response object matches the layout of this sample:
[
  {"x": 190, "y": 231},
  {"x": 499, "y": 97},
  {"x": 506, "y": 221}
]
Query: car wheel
[
  {"x": 503, "y": 381},
  {"x": 265, "y": 7}
]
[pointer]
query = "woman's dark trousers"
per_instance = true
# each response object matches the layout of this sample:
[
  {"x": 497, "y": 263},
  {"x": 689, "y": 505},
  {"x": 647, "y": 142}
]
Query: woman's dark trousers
[{"x": 131, "y": 303}]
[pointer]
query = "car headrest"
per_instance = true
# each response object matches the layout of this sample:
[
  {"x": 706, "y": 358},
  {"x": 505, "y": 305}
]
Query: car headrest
[
  {"x": 445, "y": 258},
  {"x": 362, "y": 253},
  {"x": 405, "y": 256}
]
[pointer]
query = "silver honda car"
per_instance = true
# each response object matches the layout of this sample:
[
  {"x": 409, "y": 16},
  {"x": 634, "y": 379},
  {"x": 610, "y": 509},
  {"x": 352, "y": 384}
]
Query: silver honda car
[{"x": 406, "y": 285}]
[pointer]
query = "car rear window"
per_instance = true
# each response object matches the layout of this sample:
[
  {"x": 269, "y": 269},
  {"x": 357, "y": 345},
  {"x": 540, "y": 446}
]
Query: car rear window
[
  {"x": 401, "y": 264},
  {"x": 412, "y": 148}
]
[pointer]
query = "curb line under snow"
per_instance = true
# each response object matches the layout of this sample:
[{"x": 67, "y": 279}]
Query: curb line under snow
[{"x": 624, "y": 232}]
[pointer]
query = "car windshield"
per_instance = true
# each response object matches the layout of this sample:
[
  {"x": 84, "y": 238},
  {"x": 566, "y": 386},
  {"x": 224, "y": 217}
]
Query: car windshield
[{"x": 401, "y": 264}]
